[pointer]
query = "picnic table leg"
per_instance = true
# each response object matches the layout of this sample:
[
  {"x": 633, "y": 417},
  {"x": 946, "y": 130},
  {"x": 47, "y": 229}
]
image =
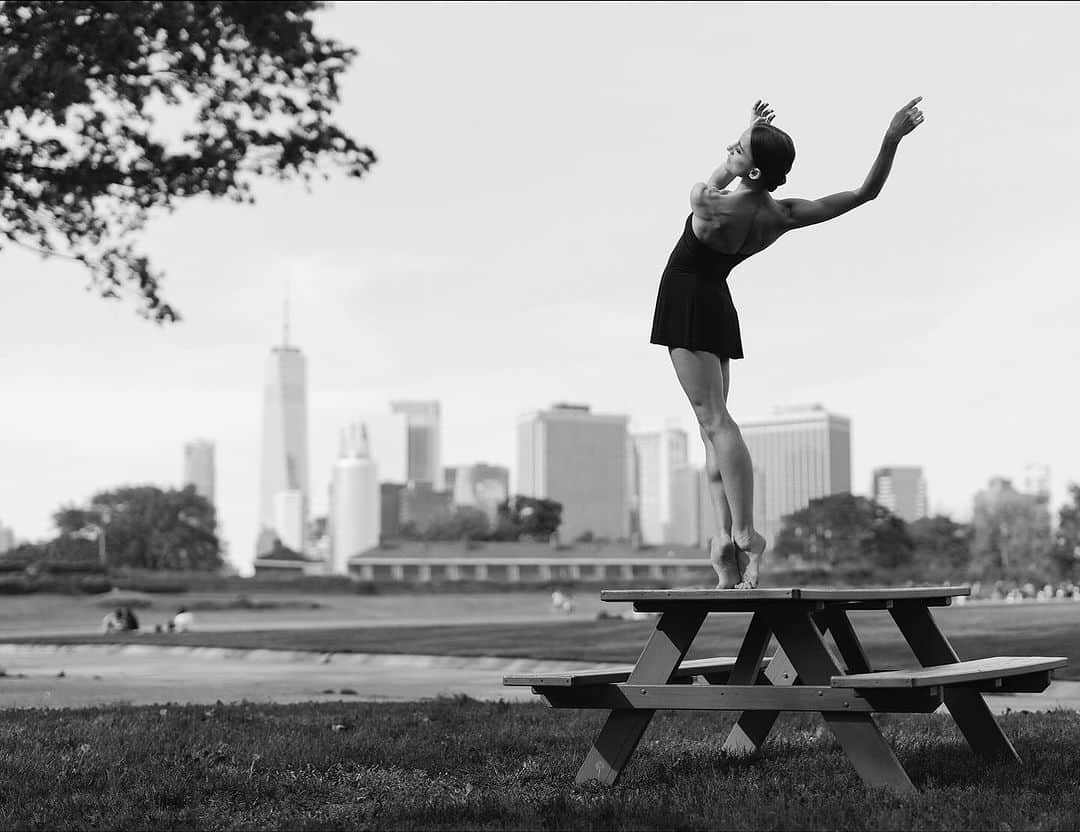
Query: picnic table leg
[
  {"x": 836, "y": 621},
  {"x": 615, "y": 744},
  {"x": 752, "y": 727},
  {"x": 969, "y": 710},
  {"x": 857, "y": 734}
]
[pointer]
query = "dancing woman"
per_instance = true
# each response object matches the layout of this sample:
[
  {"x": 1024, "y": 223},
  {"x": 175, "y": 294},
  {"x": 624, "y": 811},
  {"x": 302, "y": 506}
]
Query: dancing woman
[{"x": 696, "y": 319}]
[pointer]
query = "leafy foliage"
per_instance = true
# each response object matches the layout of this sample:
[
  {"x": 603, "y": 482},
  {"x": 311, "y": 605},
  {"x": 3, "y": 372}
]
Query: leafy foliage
[
  {"x": 149, "y": 528},
  {"x": 942, "y": 546},
  {"x": 532, "y": 518},
  {"x": 845, "y": 531},
  {"x": 1065, "y": 554},
  {"x": 89, "y": 90},
  {"x": 1011, "y": 533}
]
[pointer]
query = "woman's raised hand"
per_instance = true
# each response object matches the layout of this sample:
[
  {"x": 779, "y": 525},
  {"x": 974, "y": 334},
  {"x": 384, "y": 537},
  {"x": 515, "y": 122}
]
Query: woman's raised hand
[
  {"x": 906, "y": 119},
  {"x": 760, "y": 112}
]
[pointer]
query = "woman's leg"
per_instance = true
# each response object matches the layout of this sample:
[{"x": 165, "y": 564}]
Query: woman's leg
[{"x": 702, "y": 377}]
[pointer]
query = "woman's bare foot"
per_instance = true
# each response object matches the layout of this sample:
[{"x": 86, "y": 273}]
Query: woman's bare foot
[
  {"x": 749, "y": 562},
  {"x": 722, "y": 554}
]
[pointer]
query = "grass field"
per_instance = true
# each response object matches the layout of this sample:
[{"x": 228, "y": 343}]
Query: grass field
[
  {"x": 976, "y": 631},
  {"x": 462, "y": 764}
]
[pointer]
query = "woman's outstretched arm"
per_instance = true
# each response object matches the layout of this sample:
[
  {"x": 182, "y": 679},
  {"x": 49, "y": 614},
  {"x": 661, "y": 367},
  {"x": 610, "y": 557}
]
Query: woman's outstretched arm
[{"x": 804, "y": 212}]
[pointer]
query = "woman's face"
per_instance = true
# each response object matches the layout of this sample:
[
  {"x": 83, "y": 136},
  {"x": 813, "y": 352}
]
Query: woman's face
[{"x": 739, "y": 161}]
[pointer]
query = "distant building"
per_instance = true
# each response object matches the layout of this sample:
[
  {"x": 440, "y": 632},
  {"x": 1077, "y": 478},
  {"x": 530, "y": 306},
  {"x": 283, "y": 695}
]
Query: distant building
[
  {"x": 284, "y": 464},
  {"x": 659, "y": 455},
  {"x": 422, "y": 505},
  {"x": 1036, "y": 481},
  {"x": 902, "y": 490},
  {"x": 1012, "y": 530},
  {"x": 684, "y": 525},
  {"x": 479, "y": 485},
  {"x": 290, "y": 513},
  {"x": 388, "y": 444},
  {"x": 800, "y": 453},
  {"x": 578, "y": 459},
  {"x": 390, "y": 509},
  {"x": 7, "y": 539},
  {"x": 354, "y": 501},
  {"x": 199, "y": 467},
  {"x": 425, "y": 441}
]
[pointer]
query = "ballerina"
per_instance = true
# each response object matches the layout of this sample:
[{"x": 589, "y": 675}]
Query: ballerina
[{"x": 695, "y": 317}]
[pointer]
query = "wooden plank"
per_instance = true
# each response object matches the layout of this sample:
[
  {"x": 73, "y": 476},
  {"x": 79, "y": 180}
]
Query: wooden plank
[
  {"x": 753, "y": 727},
  {"x": 785, "y": 593},
  {"x": 618, "y": 738},
  {"x": 968, "y": 708},
  {"x": 737, "y": 698},
  {"x": 838, "y": 624},
  {"x": 857, "y": 733},
  {"x": 611, "y": 675},
  {"x": 995, "y": 667}
]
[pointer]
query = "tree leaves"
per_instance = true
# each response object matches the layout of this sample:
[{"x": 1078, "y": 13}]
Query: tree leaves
[{"x": 85, "y": 88}]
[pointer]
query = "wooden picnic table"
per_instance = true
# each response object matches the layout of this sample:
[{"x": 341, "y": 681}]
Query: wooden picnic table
[{"x": 819, "y": 665}]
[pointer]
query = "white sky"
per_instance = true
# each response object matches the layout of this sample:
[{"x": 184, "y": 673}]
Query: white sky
[{"x": 535, "y": 164}]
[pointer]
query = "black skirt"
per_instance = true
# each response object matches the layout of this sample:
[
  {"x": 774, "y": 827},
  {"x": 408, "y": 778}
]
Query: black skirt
[{"x": 694, "y": 308}]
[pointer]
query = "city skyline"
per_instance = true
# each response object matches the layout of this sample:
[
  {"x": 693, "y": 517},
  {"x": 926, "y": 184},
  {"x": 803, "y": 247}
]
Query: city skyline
[{"x": 558, "y": 202}]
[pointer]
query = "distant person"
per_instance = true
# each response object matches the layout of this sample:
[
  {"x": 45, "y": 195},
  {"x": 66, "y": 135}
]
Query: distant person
[
  {"x": 182, "y": 621},
  {"x": 696, "y": 320},
  {"x": 130, "y": 621},
  {"x": 557, "y": 600},
  {"x": 113, "y": 621}
]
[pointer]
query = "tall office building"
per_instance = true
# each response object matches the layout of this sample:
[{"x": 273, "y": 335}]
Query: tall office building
[
  {"x": 284, "y": 465},
  {"x": 800, "y": 453},
  {"x": 902, "y": 490},
  {"x": 480, "y": 485},
  {"x": 684, "y": 526},
  {"x": 7, "y": 539},
  {"x": 579, "y": 459},
  {"x": 199, "y": 467},
  {"x": 1036, "y": 481},
  {"x": 290, "y": 519},
  {"x": 355, "y": 501},
  {"x": 659, "y": 455},
  {"x": 388, "y": 444},
  {"x": 425, "y": 441}
]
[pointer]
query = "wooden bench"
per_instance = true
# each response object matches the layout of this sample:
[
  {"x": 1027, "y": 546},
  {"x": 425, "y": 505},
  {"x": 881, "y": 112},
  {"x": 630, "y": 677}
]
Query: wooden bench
[
  {"x": 715, "y": 670},
  {"x": 1002, "y": 674}
]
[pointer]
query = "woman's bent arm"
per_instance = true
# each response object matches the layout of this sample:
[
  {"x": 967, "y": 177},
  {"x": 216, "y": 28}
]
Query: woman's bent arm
[{"x": 803, "y": 212}]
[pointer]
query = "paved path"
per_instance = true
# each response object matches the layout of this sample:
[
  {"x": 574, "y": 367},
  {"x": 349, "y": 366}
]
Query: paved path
[{"x": 149, "y": 674}]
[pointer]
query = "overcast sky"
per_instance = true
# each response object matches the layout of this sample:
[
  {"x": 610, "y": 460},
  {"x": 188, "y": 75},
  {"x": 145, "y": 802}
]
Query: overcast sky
[{"x": 534, "y": 170}]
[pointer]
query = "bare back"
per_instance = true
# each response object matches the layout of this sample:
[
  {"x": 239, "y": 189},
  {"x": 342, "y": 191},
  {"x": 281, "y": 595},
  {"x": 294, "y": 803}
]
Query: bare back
[{"x": 738, "y": 222}]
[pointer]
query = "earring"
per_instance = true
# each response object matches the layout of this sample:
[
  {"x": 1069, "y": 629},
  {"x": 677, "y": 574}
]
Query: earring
[{"x": 755, "y": 173}]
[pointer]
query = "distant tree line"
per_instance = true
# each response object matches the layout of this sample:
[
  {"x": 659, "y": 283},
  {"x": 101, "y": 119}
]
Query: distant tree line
[
  {"x": 516, "y": 518},
  {"x": 1009, "y": 538},
  {"x": 143, "y": 527}
]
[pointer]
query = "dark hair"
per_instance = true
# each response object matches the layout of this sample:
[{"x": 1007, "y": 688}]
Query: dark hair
[{"x": 773, "y": 152}]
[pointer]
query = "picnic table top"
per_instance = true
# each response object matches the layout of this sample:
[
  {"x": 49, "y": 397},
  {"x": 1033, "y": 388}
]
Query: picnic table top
[{"x": 721, "y": 597}]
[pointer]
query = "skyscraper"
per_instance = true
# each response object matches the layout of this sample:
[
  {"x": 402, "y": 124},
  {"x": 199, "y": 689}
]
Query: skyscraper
[
  {"x": 425, "y": 441},
  {"x": 7, "y": 539},
  {"x": 659, "y": 455},
  {"x": 355, "y": 502},
  {"x": 902, "y": 490},
  {"x": 199, "y": 467},
  {"x": 798, "y": 454},
  {"x": 579, "y": 459},
  {"x": 1036, "y": 481},
  {"x": 284, "y": 464},
  {"x": 388, "y": 444},
  {"x": 480, "y": 485}
]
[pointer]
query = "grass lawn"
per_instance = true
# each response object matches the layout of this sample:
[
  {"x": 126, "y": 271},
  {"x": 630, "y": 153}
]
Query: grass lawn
[
  {"x": 976, "y": 631},
  {"x": 461, "y": 764}
]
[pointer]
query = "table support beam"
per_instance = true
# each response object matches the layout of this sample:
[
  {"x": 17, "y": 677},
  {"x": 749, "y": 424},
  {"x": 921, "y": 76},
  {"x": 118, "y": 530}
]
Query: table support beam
[
  {"x": 969, "y": 710},
  {"x": 617, "y": 740},
  {"x": 857, "y": 734}
]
